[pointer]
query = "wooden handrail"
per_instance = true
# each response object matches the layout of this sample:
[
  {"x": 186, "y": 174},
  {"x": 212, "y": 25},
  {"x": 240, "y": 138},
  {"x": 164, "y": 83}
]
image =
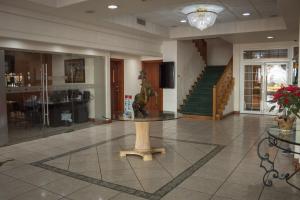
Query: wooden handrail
[
  {"x": 222, "y": 90},
  {"x": 201, "y": 46},
  {"x": 214, "y": 102}
]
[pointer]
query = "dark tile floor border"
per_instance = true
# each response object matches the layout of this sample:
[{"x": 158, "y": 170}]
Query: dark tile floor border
[{"x": 168, "y": 187}]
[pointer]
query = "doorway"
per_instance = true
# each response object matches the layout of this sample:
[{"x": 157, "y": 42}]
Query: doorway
[
  {"x": 117, "y": 86},
  {"x": 152, "y": 72},
  {"x": 260, "y": 82}
]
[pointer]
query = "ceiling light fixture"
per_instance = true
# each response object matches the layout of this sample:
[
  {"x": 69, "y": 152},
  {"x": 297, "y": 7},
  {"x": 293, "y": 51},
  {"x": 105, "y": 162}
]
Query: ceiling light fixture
[
  {"x": 112, "y": 7},
  {"x": 246, "y": 14},
  {"x": 270, "y": 37},
  {"x": 183, "y": 21},
  {"x": 202, "y": 16}
]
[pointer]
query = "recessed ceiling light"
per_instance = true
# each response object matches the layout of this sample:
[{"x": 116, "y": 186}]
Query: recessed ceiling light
[
  {"x": 183, "y": 21},
  {"x": 270, "y": 37},
  {"x": 112, "y": 7},
  {"x": 246, "y": 14}
]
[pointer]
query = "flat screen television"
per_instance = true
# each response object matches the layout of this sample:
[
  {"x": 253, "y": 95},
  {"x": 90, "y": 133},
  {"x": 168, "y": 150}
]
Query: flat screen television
[{"x": 167, "y": 75}]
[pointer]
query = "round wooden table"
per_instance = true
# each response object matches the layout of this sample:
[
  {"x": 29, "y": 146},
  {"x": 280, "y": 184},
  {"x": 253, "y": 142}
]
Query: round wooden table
[{"x": 142, "y": 131}]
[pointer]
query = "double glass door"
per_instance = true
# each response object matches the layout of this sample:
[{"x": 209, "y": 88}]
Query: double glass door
[
  {"x": 261, "y": 81},
  {"x": 48, "y": 94}
]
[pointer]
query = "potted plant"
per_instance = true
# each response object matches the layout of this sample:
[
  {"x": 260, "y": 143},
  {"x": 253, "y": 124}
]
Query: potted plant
[{"x": 288, "y": 100}]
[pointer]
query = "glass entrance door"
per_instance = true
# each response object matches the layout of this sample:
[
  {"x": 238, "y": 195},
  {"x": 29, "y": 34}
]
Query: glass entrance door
[
  {"x": 261, "y": 81},
  {"x": 48, "y": 94},
  {"x": 252, "y": 88},
  {"x": 276, "y": 76}
]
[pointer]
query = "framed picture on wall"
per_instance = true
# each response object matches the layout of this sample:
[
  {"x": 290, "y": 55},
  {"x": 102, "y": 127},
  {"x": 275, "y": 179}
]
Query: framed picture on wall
[{"x": 75, "y": 71}]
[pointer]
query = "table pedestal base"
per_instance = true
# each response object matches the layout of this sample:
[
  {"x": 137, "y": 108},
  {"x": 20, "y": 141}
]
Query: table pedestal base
[
  {"x": 142, "y": 143},
  {"x": 146, "y": 155}
]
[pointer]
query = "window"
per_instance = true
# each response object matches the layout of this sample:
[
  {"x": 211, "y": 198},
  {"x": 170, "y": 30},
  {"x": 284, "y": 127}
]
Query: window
[{"x": 260, "y": 54}]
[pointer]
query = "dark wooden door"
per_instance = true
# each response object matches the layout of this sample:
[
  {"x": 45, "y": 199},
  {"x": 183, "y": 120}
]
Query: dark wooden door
[
  {"x": 117, "y": 86},
  {"x": 152, "y": 71}
]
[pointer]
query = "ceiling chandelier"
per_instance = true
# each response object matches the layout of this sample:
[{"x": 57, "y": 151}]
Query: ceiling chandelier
[{"x": 202, "y": 16}]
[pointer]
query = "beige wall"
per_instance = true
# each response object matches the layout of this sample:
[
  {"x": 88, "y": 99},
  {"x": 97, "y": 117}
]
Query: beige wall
[
  {"x": 219, "y": 52},
  {"x": 169, "y": 51},
  {"x": 189, "y": 66}
]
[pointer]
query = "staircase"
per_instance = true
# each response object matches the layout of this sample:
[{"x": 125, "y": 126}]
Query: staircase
[{"x": 200, "y": 99}]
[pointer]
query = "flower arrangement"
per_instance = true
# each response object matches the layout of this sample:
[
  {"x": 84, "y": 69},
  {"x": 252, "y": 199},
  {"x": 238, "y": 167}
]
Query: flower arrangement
[{"x": 288, "y": 100}]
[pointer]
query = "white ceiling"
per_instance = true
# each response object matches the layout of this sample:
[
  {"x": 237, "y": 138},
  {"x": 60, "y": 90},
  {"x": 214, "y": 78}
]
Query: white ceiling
[
  {"x": 162, "y": 12},
  {"x": 167, "y": 12}
]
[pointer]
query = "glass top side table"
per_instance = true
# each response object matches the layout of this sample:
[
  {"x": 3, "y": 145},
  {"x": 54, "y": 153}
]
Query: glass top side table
[
  {"x": 288, "y": 143},
  {"x": 142, "y": 141}
]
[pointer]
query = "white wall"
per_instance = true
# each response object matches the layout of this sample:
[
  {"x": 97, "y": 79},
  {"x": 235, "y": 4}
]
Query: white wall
[
  {"x": 189, "y": 66},
  {"x": 169, "y": 51},
  {"x": 132, "y": 68},
  {"x": 99, "y": 87},
  {"x": 219, "y": 52}
]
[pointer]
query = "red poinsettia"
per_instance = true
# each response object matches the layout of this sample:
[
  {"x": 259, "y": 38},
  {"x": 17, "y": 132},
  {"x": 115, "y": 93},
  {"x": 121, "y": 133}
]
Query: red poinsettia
[{"x": 288, "y": 99}]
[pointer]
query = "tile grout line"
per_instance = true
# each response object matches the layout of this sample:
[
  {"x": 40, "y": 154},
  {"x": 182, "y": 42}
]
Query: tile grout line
[
  {"x": 165, "y": 169},
  {"x": 35, "y": 186},
  {"x": 69, "y": 163},
  {"x": 99, "y": 163},
  {"x": 158, "y": 194},
  {"x": 238, "y": 162},
  {"x": 133, "y": 170},
  {"x": 135, "y": 174}
]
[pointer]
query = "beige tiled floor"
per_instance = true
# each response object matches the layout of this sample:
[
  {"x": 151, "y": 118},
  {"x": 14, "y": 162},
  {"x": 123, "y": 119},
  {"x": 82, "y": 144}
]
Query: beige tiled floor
[{"x": 233, "y": 174}]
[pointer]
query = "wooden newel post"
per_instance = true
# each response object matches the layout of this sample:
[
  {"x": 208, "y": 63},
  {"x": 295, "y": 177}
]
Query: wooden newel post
[{"x": 214, "y": 102}]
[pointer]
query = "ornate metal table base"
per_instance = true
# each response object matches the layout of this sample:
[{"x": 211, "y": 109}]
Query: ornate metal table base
[
  {"x": 270, "y": 171},
  {"x": 142, "y": 143}
]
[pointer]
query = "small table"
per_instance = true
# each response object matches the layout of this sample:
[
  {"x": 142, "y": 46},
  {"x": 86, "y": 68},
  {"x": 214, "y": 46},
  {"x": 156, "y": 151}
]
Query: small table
[
  {"x": 289, "y": 144},
  {"x": 142, "y": 141}
]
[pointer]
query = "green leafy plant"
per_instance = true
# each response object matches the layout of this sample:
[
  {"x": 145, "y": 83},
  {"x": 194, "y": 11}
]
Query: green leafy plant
[{"x": 288, "y": 100}]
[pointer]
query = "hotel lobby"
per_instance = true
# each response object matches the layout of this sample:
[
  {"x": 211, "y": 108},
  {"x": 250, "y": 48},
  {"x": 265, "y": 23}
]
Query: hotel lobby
[{"x": 147, "y": 99}]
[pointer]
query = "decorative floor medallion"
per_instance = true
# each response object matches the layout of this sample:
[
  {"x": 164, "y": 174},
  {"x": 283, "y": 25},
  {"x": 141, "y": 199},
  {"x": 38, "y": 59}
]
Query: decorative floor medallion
[{"x": 101, "y": 164}]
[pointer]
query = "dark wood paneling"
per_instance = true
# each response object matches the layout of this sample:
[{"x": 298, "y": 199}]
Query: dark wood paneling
[
  {"x": 31, "y": 62},
  {"x": 152, "y": 71}
]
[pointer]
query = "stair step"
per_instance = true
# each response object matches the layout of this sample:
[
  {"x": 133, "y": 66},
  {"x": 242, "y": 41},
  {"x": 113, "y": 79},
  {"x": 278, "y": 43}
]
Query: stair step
[
  {"x": 196, "y": 113},
  {"x": 200, "y": 100},
  {"x": 197, "y": 109}
]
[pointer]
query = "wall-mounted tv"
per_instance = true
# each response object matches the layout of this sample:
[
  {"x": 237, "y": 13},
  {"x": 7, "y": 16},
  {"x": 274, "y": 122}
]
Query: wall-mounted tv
[{"x": 167, "y": 75}]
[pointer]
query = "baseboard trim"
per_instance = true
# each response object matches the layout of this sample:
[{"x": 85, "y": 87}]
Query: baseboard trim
[
  {"x": 99, "y": 122},
  {"x": 228, "y": 114},
  {"x": 196, "y": 117}
]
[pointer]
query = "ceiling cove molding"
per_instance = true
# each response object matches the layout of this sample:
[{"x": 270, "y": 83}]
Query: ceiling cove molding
[
  {"x": 267, "y": 24},
  {"x": 106, "y": 27},
  {"x": 57, "y": 3},
  {"x": 36, "y": 27},
  {"x": 8, "y": 43}
]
